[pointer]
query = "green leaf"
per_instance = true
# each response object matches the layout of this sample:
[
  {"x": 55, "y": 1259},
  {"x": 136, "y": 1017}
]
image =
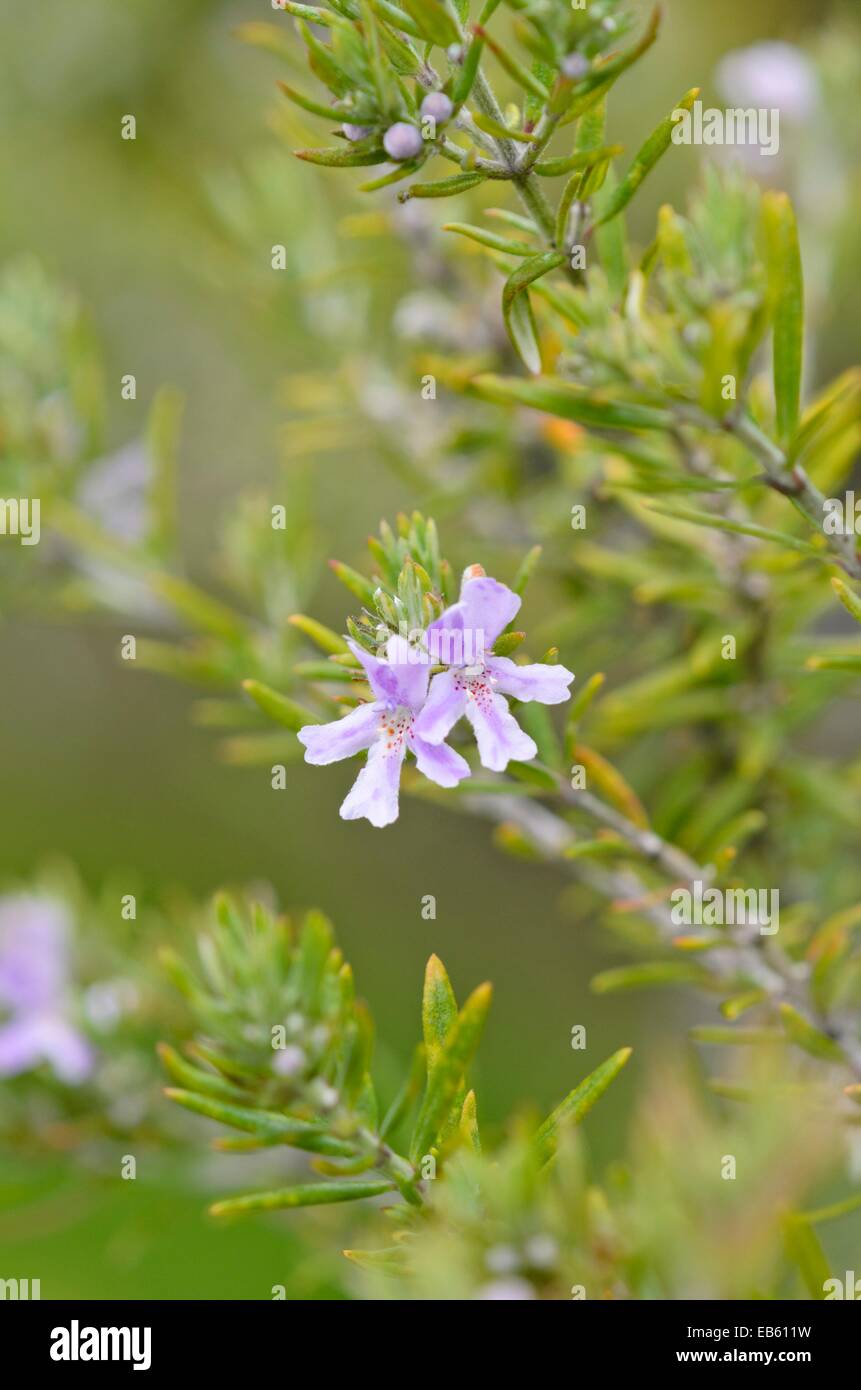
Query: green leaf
[
  {"x": 194, "y": 1079},
  {"x": 517, "y": 310},
  {"x": 408, "y": 1094},
  {"x": 805, "y": 1036},
  {"x": 311, "y": 1195},
  {"x": 520, "y": 326},
  {"x": 526, "y": 569},
  {"x": 733, "y": 1008},
  {"x": 580, "y": 159},
  {"x": 323, "y": 637},
  {"x": 263, "y": 1124},
  {"x": 833, "y": 1212},
  {"x": 324, "y": 671},
  {"x": 316, "y": 108},
  {"x": 786, "y": 288},
  {"x": 432, "y": 21},
  {"x": 270, "y": 37},
  {"x": 337, "y": 158},
  {"x": 834, "y": 661},
  {"x": 657, "y": 144},
  {"x": 196, "y": 607},
  {"x": 610, "y": 237},
  {"x": 571, "y": 402},
  {"x": 448, "y": 1074},
  {"x": 578, "y": 1103},
  {"x": 442, "y": 188},
  {"x": 742, "y": 528},
  {"x": 502, "y": 132},
  {"x": 390, "y": 1260},
  {"x": 439, "y": 1010},
  {"x": 496, "y": 243},
  {"x": 848, "y": 597},
  {"x": 315, "y": 942},
  {"x": 508, "y": 642},
  {"x": 469, "y": 1124},
  {"x": 468, "y": 72},
  {"x": 278, "y": 707},
  {"x": 515, "y": 69},
  {"x": 803, "y": 1248},
  {"x": 359, "y": 586},
  {"x": 582, "y": 701},
  {"x": 716, "y": 1036},
  {"x": 650, "y": 973}
]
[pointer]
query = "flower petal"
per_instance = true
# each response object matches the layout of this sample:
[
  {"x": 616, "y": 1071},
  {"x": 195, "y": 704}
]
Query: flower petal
[
  {"x": 497, "y": 733},
  {"x": 34, "y": 952},
  {"x": 67, "y": 1051},
  {"x": 19, "y": 1046},
  {"x": 546, "y": 684},
  {"x": 329, "y": 743},
  {"x": 402, "y": 678},
  {"x": 446, "y": 702},
  {"x": 30, "y": 1039},
  {"x": 488, "y": 607},
  {"x": 439, "y": 763},
  {"x": 374, "y": 794}
]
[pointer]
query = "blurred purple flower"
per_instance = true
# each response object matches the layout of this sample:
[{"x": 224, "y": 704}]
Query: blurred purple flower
[
  {"x": 770, "y": 74},
  {"x": 34, "y": 973},
  {"x": 477, "y": 681},
  {"x": 386, "y": 727}
]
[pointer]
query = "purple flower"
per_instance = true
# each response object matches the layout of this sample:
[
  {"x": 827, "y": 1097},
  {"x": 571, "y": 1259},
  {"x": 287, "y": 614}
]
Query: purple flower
[
  {"x": 386, "y": 727},
  {"x": 771, "y": 74},
  {"x": 34, "y": 971},
  {"x": 477, "y": 681}
]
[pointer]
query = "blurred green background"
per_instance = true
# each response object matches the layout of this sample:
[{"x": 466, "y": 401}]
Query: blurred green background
[{"x": 100, "y": 764}]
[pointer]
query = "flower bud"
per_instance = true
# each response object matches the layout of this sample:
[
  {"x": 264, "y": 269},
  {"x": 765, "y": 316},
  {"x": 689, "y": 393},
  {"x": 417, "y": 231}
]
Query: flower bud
[
  {"x": 438, "y": 107},
  {"x": 355, "y": 132},
  {"x": 402, "y": 141},
  {"x": 575, "y": 66},
  {"x": 455, "y": 53}
]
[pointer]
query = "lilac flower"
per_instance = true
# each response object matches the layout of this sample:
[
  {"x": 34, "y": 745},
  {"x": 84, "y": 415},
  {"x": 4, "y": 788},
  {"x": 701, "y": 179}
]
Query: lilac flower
[
  {"x": 476, "y": 682},
  {"x": 386, "y": 727},
  {"x": 34, "y": 971},
  {"x": 771, "y": 74}
]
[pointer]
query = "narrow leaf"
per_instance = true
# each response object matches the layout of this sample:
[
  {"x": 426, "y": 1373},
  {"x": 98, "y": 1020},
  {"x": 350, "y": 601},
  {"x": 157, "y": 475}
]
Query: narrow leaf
[
  {"x": 657, "y": 144},
  {"x": 787, "y": 293},
  {"x": 579, "y": 1102},
  {"x": 310, "y": 1195},
  {"x": 279, "y": 707}
]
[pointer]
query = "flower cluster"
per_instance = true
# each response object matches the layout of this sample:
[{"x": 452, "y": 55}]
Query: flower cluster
[{"x": 417, "y": 703}]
